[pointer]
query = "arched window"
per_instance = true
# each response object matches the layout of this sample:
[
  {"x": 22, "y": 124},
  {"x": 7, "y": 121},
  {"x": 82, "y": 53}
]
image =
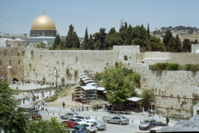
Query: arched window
[{"x": 125, "y": 57}]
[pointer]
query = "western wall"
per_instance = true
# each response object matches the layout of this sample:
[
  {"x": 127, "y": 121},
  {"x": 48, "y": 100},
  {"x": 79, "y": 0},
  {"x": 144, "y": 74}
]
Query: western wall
[{"x": 174, "y": 90}]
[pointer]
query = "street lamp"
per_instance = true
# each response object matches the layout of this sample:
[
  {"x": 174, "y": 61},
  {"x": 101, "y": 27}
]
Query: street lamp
[{"x": 56, "y": 76}]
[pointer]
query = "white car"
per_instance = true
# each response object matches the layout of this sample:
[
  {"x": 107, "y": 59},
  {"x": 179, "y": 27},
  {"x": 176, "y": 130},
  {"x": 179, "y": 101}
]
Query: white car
[
  {"x": 99, "y": 124},
  {"x": 118, "y": 119},
  {"x": 83, "y": 118},
  {"x": 69, "y": 115},
  {"x": 91, "y": 127}
]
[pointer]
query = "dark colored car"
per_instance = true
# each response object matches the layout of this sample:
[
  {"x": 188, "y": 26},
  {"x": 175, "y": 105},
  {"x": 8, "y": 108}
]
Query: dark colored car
[
  {"x": 79, "y": 129},
  {"x": 69, "y": 123},
  {"x": 36, "y": 116},
  {"x": 150, "y": 123}
]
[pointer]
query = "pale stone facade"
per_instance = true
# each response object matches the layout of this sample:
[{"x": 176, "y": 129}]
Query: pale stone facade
[
  {"x": 16, "y": 43},
  {"x": 174, "y": 90}
]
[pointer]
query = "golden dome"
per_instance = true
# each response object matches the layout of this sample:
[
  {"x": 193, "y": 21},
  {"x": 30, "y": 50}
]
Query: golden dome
[{"x": 43, "y": 22}]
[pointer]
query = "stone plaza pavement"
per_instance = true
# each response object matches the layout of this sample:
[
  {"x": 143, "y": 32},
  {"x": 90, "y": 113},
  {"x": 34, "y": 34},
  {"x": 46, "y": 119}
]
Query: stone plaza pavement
[
  {"x": 133, "y": 117},
  {"x": 133, "y": 126},
  {"x": 57, "y": 111}
]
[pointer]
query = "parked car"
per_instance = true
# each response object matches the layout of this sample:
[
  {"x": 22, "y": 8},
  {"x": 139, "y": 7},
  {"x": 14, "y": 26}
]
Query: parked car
[
  {"x": 150, "y": 123},
  {"x": 99, "y": 124},
  {"x": 78, "y": 121},
  {"x": 91, "y": 127},
  {"x": 84, "y": 118},
  {"x": 30, "y": 111},
  {"x": 69, "y": 115},
  {"x": 79, "y": 129},
  {"x": 36, "y": 116},
  {"x": 69, "y": 123},
  {"x": 118, "y": 120}
]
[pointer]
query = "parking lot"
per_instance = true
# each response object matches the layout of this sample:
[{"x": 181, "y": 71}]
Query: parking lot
[{"x": 134, "y": 119}]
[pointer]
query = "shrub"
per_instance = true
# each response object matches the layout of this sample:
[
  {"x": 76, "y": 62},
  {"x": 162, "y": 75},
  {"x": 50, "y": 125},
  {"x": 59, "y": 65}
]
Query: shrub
[
  {"x": 172, "y": 66},
  {"x": 192, "y": 67},
  {"x": 188, "y": 67},
  {"x": 162, "y": 66}
]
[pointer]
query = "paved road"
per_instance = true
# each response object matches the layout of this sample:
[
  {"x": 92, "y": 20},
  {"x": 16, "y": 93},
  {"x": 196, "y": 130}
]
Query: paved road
[{"x": 111, "y": 128}]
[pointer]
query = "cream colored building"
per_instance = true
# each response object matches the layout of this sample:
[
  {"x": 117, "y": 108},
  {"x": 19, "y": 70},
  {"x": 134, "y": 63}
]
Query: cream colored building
[{"x": 43, "y": 29}]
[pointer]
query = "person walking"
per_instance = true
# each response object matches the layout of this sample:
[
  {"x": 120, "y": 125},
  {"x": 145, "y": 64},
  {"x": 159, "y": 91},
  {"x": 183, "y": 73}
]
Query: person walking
[
  {"x": 167, "y": 120},
  {"x": 63, "y": 104}
]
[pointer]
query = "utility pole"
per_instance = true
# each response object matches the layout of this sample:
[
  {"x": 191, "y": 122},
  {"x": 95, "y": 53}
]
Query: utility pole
[{"x": 56, "y": 76}]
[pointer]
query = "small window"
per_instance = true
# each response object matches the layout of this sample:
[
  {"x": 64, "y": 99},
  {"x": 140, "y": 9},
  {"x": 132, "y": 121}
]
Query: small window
[{"x": 125, "y": 58}]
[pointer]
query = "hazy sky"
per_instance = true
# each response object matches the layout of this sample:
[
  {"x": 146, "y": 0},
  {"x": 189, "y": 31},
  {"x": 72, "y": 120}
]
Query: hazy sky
[{"x": 16, "y": 16}]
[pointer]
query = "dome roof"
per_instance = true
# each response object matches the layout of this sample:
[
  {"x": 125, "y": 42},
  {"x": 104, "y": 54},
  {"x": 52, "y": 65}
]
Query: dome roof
[{"x": 43, "y": 22}]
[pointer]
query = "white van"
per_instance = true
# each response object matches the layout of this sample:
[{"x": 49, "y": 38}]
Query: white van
[{"x": 91, "y": 127}]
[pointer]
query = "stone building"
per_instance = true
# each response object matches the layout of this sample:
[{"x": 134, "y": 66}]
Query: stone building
[
  {"x": 43, "y": 29},
  {"x": 16, "y": 43}
]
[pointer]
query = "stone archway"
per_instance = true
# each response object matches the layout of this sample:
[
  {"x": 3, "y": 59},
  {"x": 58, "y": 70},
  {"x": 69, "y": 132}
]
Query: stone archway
[{"x": 15, "y": 80}]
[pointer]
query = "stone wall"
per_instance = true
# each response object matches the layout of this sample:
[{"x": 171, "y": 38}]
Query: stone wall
[
  {"x": 11, "y": 63},
  {"x": 47, "y": 64},
  {"x": 174, "y": 90}
]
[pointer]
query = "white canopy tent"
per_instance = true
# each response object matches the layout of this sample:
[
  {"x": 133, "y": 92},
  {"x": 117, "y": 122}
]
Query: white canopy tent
[{"x": 134, "y": 99}]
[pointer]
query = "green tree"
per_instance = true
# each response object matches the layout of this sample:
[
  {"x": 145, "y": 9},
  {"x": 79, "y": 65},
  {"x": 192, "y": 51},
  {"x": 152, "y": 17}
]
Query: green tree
[
  {"x": 119, "y": 85},
  {"x": 129, "y": 35},
  {"x": 46, "y": 126},
  {"x": 178, "y": 47},
  {"x": 186, "y": 45},
  {"x": 76, "y": 42},
  {"x": 11, "y": 121},
  {"x": 113, "y": 38},
  {"x": 147, "y": 96},
  {"x": 72, "y": 39},
  {"x": 171, "y": 45},
  {"x": 156, "y": 44},
  {"x": 99, "y": 38},
  {"x": 148, "y": 31},
  {"x": 57, "y": 42},
  {"x": 86, "y": 40},
  {"x": 91, "y": 42},
  {"x": 166, "y": 38}
]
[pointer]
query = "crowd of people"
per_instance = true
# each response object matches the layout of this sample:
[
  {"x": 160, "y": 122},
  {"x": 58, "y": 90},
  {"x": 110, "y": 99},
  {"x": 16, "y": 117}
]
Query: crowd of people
[{"x": 77, "y": 108}]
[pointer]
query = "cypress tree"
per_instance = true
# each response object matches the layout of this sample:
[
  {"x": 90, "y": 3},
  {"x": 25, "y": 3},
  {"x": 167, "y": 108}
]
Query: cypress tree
[
  {"x": 86, "y": 40},
  {"x": 148, "y": 31},
  {"x": 72, "y": 39},
  {"x": 57, "y": 41}
]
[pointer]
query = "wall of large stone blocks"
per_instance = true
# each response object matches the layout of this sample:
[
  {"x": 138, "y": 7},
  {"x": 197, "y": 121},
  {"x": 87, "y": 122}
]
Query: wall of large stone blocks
[
  {"x": 52, "y": 65},
  {"x": 184, "y": 58},
  {"x": 11, "y": 63},
  {"x": 174, "y": 90},
  {"x": 163, "y": 57}
]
